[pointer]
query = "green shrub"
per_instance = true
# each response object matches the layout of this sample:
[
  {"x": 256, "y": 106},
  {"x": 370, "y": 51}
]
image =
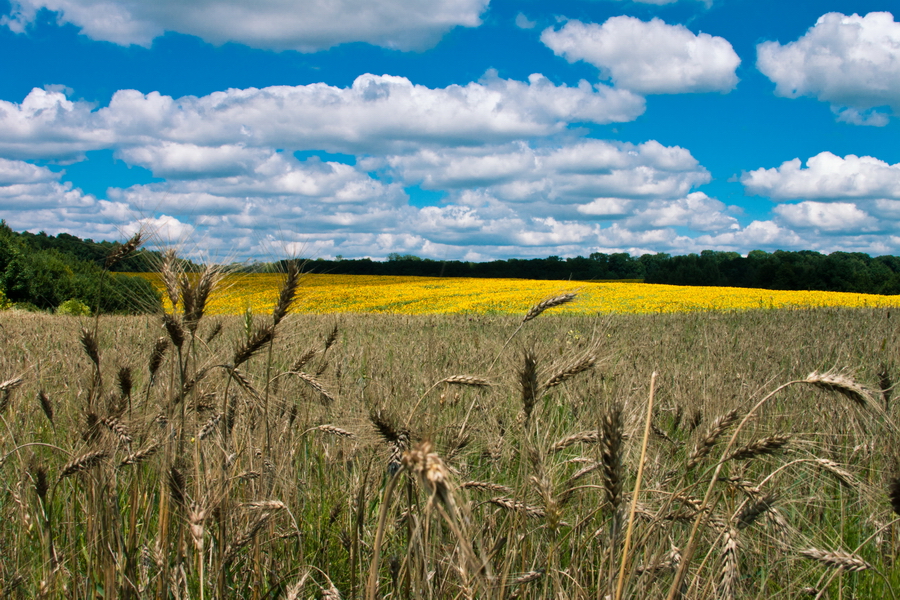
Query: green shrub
[{"x": 74, "y": 307}]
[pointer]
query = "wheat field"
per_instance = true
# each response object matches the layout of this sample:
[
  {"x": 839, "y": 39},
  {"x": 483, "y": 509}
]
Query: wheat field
[{"x": 736, "y": 454}]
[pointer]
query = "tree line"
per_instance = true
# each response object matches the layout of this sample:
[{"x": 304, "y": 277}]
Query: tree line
[
  {"x": 41, "y": 272},
  {"x": 779, "y": 270},
  {"x": 45, "y": 270}
]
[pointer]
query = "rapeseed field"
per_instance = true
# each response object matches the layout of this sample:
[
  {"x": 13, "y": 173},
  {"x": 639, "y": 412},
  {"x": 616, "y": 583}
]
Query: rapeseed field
[{"x": 324, "y": 294}]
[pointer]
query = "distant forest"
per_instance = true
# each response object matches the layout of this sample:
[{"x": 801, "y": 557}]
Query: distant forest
[
  {"x": 41, "y": 272},
  {"x": 779, "y": 270}
]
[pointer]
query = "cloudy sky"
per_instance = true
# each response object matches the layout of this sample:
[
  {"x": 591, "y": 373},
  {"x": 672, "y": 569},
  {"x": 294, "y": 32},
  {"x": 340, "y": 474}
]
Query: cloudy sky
[{"x": 454, "y": 129}]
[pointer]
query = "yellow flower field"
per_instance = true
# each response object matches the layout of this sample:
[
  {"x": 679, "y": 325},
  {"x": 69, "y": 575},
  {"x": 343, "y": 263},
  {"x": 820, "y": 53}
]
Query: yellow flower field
[{"x": 433, "y": 295}]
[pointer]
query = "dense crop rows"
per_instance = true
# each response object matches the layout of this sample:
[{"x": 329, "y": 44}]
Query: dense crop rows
[
  {"x": 697, "y": 455},
  {"x": 326, "y": 294}
]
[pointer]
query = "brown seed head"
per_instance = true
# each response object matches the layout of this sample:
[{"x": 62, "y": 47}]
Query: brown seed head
[
  {"x": 843, "y": 385},
  {"x": 894, "y": 494},
  {"x": 156, "y": 357},
  {"x": 583, "y": 437},
  {"x": 766, "y": 445},
  {"x": 83, "y": 463},
  {"x": 837, "y": 559},
  {"x": 549, "y": 303},
  {"x": 122, "y": 251},
  {"x": 46, "y": 405},
  {"x": 752, "y": 511},
  {"x": 535, "y": 512},
  {"x": 91, "y": 348},
  {"x": 140, "y": 456},
  {"x": 611, "y": 454},
  {"x": 288, "y": 291},
  {"x": 174, "y": 329},
  {"x": 469, "y": 380},
  {"x": 257, "y": 341},
  {"x": 529, "y": 385},
  {"x": 571, "y": 370},
  {"x": 715, "y": 431}
]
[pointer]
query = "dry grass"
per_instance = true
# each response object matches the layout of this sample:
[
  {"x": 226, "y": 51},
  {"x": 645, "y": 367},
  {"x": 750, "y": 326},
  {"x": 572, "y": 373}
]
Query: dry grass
[{"x": 286, "y": 457}]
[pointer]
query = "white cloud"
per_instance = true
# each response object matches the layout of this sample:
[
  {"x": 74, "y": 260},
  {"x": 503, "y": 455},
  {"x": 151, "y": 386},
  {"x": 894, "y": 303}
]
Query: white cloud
[
  {"x": 843, "y": 217},
  {"x": 522, "y": 22},
  {"x": 758, "y": 234},
  {"x": 851, "y": 62},
  {"x": 184, "y": 161},
  {"x": 269, "y": 24},
  {"x": 32, "y": 198},
  {"x": 696, "y": 211},
  {"x": 577, "y": 172},
  {"x": 162, "y": 229},
  {"x": 18, "y": 172},
  {"x": 48, "y": 125},
  {"x": 827, "y": 177},
  {"x": 649, "y": 57},
  {"x": 375, "y": 114}
]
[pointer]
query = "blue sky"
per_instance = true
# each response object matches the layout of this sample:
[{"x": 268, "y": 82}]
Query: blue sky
[{"x": 454, "y": 129}]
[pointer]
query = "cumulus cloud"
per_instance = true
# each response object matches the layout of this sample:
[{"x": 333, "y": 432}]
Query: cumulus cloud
[
  {"x": 523, "y": 22},
  {"x": 377, "y": 113},
  {"x": 268, "y": 24},
  {"x": 185, "y": 161},
  {"x": 827, "y": 216},
  {"x": 851, "y": 62},
  {"x": 572, "y": 173},
  {"x": 487, "y": 210},
  {"x": 696, "y": 211},
  {"x": 14, "y": 172},
  {"x": 827, "y": 177},
  {"x": 758, "y": 234},
  {"x": 32, "y": 197},
  {"x": 648, "y": 57}
]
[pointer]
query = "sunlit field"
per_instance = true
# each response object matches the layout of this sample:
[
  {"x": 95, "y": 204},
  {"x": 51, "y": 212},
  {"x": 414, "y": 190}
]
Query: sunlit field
[
  {"x": 690, "y": 453},
  {"x": 323, "y": 294}
]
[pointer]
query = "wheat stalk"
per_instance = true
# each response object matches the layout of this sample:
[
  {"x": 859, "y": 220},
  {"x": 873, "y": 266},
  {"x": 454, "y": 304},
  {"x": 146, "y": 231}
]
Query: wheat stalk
[
  {"x": 760, "y": 447},
  {"x": 46, "y": 405},
  {"x": 315, "y": 384},
  {"x": 611, "y": 454},
  {"x": 571, "y": 370},
  {"x": 549, "y": 303},
  {"x": 512, "y": 504},
  {"x": 468, "y": 380},
  {"x": 174, "y": 329},
  {"x": 582, "y": 437},
  {"x": 336, "y": 431},
  {"x": 529, "y": 385},
  {"x": 486, "y": 486},
  {"x": 715, "y": 431},
  {"x": 83, "y": 463},
  {"x": 751, "y": 512},
  {"x": 140, "y": 456},
  {"x": 157, "y": 355},
  {"x": 122, "y": 251},
  {"x": 288, "y": 292},
  {"x": 118, "y": 428},
  {"x": 837, "y": 559},
  {"x": 729, "y": 576},
  {"x": 254, "y": 344},
  {"x": 843, "y": 385}
]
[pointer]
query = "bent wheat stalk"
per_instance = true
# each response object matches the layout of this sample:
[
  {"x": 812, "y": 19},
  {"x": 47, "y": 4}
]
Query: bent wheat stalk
[
  {"x": 637, "y": 488},
  {"x": 842, "y": 385}
]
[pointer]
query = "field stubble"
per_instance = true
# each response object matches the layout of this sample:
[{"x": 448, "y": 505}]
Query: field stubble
[{"x": 449, "y": 456}]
